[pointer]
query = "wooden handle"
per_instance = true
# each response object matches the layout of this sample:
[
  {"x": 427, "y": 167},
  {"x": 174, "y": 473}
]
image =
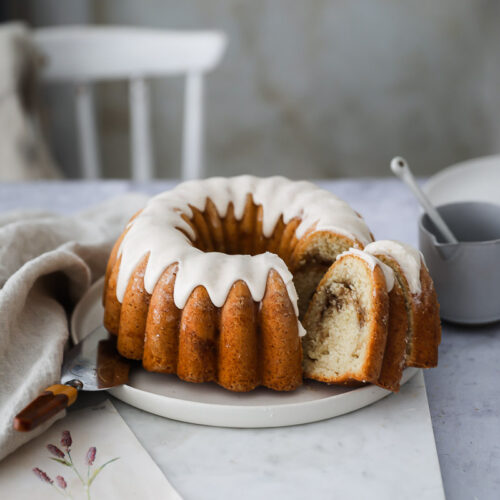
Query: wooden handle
[{"x": 54, "y": 399}]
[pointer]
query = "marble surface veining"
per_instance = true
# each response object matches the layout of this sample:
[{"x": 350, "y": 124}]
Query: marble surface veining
[
  {"x": 348, "y": 457},
  {"x": 463, "y": 392}
]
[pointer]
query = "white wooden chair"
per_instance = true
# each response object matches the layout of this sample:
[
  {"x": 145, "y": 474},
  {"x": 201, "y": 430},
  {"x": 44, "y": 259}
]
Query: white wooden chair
[{"x": 82, "y": 55}]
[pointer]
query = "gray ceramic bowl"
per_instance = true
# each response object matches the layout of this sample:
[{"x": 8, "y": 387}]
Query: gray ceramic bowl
[{"x": 467, "y": 274}]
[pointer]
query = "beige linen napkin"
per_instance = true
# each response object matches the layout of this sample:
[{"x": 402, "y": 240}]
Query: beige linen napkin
[{"x": 46, "y": 264}]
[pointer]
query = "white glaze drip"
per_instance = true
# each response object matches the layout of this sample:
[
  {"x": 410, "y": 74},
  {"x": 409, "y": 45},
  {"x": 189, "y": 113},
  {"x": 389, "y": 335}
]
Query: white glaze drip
[
  {"x": 158, "y": 231},
  {"x": 408, "y": 258},
  {"x": 372, "y": 263}
]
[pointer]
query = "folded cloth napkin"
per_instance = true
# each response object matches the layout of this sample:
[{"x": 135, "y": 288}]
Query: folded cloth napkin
[{"x": 46, "y": 263}]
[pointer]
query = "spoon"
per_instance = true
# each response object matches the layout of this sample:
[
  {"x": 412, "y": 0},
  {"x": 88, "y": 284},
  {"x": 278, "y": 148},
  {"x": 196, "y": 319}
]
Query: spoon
[{"x": 401, "y": 169}]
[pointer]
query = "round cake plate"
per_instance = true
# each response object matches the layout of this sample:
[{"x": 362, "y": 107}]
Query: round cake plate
[{"x": 209, "y": 404}]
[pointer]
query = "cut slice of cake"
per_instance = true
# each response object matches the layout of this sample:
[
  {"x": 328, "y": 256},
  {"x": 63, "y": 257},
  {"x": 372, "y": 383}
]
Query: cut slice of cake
[
  {"x": 393, "y": 363},
  {"x": 424, "y": 326},
  {"x": 347, "y": 321}
]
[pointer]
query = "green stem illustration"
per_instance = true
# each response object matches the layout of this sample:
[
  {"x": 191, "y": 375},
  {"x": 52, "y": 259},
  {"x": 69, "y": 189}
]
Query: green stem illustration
[{"x": 75, "y": 469}]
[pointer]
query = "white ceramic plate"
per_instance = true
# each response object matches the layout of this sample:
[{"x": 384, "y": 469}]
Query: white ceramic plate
[
  {"x": 473, "y": 180},
  {"x": 209, "y": 404}
]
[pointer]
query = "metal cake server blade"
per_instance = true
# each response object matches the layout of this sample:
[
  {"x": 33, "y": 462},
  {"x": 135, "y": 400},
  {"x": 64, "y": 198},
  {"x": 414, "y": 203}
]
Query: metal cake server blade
[{"x": 94, "y": 364}]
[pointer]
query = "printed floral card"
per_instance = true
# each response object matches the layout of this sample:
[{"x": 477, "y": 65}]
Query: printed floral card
[{"x": 89, "y": 454}]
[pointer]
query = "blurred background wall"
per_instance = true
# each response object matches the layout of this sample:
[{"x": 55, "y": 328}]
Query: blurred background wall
[{"x": 324, "y": 88}]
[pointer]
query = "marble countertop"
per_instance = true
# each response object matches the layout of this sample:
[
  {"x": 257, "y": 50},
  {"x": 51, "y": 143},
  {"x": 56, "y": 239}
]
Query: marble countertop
[{"x": 463, "y": 393}]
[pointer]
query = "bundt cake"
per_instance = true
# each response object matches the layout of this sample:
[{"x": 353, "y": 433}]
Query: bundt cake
[
  {"x": 207, "y": 281},
  {"x": 210, "y": 281}
]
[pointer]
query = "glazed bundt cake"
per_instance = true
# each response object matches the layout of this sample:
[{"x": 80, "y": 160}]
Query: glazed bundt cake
[{"x": 208, "y": 279}]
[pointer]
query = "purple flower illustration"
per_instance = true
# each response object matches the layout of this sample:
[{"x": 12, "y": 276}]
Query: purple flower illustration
[
  {"x": 91, "y": 455},
  {"x": 42, "y": 475},
  {"x": 61, "y": 482},
  {"x": 55, "y": 451},
  {"x": 66, "y": 440},
  {"x": 65, "y": 459}
]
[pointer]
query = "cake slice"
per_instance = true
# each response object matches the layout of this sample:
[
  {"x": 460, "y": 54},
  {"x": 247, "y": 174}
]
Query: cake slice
[
  {"x": 347, "y": 322},
  {"x": 424, "y": 327},
  {"x": 394, "y": 359}
]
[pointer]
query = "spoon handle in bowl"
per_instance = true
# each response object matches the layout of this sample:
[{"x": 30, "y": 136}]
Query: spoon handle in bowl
[{"x": 401, "y": 169}]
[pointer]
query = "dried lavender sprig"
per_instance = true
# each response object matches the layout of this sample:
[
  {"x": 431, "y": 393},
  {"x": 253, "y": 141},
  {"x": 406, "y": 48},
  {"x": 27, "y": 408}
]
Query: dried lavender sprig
[
  {"x": 55, "y": 451},
  {"x": 42, "y": 475}
]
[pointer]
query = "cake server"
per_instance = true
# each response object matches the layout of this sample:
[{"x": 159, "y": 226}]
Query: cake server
[{"x": 91, "y": 365}]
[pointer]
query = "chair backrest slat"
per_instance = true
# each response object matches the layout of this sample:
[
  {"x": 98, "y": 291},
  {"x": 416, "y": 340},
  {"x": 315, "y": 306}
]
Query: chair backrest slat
[
  {"x": 83, "y": 55},
  {"x": 87, "y": 131},
  {"x": 193, "y": 124},
  {"x": 140, "y": 129}
]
